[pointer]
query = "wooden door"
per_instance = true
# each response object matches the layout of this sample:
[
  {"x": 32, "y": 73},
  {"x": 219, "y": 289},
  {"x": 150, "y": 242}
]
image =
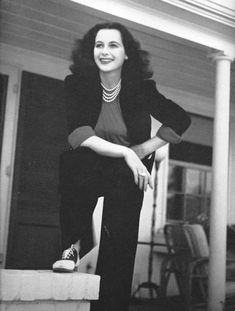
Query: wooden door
[{"x": 34, "y": 235}]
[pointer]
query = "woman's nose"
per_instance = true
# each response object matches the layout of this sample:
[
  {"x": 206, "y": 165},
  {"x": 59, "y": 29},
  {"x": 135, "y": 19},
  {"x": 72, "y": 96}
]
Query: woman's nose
[{"x": 105, "y": 50}]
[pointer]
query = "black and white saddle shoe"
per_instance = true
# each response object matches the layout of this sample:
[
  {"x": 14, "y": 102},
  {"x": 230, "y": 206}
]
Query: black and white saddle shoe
[{"x": 68, "y": 262}]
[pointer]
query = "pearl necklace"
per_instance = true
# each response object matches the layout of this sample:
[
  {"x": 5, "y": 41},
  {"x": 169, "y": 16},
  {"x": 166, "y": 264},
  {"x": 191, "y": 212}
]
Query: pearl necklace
[{"x": 110, "y": 95}]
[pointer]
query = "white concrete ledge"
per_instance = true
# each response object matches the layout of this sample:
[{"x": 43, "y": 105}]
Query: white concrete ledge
[
  {"x": 38, "y": 285},
  {"x": 41, "y": 305}
]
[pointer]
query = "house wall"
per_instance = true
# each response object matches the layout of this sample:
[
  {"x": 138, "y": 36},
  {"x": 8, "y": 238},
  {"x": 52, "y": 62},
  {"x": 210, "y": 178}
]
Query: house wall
[{"x": 22, "y": 59}]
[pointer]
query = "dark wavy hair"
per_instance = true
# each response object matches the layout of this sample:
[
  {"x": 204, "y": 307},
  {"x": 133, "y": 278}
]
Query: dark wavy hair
[{"x": 137, "y": 66}]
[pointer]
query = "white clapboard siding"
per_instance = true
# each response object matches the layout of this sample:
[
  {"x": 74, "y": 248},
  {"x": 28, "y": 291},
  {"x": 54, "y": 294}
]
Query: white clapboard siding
[{"x": 51, "y": 27}]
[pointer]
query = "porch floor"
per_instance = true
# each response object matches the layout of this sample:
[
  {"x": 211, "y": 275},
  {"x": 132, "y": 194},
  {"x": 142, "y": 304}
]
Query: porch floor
[{"x": 171, "y": 304}]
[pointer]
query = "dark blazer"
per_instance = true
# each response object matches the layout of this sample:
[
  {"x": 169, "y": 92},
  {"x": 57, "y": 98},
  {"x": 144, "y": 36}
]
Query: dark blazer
[{"x": 138, "y": 100}]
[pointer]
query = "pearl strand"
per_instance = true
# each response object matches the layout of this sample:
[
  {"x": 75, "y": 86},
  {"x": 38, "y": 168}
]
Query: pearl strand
[
  {"x": 110, "y": 90},
  {"x": 110, "y": 94}
]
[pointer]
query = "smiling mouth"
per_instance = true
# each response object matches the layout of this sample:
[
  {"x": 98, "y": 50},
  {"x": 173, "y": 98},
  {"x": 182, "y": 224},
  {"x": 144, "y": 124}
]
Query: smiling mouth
[{"x": 105, "y": 60}]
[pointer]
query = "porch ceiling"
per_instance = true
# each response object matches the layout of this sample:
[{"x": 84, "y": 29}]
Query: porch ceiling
[{"x": 50, "y": 27}]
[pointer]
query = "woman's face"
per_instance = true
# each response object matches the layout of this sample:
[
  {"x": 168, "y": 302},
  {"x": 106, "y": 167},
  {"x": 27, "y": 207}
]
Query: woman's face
[{"x": 109, "y": 51}]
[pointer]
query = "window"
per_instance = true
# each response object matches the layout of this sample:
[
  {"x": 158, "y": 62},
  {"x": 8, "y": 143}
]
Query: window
[
  {"x": 189, "y": 192},
  {"x": 190, "y": 174},
  {"x": 189, "y": 183}
]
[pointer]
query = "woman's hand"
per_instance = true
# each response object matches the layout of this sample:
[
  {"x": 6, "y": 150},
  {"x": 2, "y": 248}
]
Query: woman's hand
[{"x": 142, "y": 177}]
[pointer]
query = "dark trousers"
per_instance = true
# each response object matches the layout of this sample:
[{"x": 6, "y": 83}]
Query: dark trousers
[{"x": 84, "y": 177}]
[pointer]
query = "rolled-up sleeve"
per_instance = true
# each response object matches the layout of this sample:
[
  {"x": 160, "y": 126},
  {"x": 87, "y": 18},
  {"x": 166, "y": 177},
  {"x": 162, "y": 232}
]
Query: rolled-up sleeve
[
  {"x": 79, "y": 135},
  {"x": 167, "y": 134}
]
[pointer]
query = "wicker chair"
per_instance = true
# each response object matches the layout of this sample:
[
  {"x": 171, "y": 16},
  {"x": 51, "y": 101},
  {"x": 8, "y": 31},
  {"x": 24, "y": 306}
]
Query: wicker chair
[
  {"x": 188, "y": 261},
  {"x": 176, "y": 261}
]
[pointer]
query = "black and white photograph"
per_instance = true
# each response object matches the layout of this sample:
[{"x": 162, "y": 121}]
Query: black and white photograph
[{"x": 117, "y": 155}]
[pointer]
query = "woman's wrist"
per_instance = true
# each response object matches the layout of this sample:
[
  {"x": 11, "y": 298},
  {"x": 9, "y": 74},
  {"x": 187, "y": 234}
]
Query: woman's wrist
[
  {"x": 140, "y": 150},
  {"x": 126, "y": 151},
  {"x": 148, "y": 147},
  {"x": 145, "y": 149}
]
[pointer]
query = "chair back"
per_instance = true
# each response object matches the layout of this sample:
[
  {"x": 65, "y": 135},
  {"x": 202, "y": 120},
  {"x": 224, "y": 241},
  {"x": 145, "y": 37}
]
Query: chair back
[
  {"x": 175, "y": 239},
  {"x": 197, "y": 240}
]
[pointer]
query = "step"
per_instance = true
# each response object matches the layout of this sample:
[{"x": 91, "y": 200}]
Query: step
[{"x": 40, "y": 290}]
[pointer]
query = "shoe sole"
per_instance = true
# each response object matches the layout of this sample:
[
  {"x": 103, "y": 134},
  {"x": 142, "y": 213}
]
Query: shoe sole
[
  {"x": 63, "y": 270},
  {"x": 63, "y": 266}
]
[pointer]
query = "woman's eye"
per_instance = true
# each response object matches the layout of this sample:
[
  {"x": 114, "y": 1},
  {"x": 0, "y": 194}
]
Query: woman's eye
[
  {"x": 113, "y": 45},
  {"x": 98, "y": 45}
]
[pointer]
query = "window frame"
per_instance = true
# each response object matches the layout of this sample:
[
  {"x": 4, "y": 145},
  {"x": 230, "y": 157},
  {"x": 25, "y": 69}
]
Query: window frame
[
  {"x": 9, "y": 130},
  {"x": 187, "y": 165}
]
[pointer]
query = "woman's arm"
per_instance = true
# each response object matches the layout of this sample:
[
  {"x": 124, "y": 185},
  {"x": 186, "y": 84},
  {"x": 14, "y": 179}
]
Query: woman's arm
[
  {"x": 141, "y": 175},
  {"x": 175, "y": 120},
  {"x": 149, "y": 146},
  {"x": 104, "y": 147}
]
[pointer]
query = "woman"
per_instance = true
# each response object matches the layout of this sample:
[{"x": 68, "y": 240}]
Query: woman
[{"x": 109, "y": 100}]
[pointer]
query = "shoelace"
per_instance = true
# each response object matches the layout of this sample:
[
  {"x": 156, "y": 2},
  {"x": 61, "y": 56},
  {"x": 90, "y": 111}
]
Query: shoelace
[{"x": 68, "y": 253}]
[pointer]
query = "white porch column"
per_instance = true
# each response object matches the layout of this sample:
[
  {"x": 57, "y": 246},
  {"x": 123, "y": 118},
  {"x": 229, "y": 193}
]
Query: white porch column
[{"x": 219, "y": 204}]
